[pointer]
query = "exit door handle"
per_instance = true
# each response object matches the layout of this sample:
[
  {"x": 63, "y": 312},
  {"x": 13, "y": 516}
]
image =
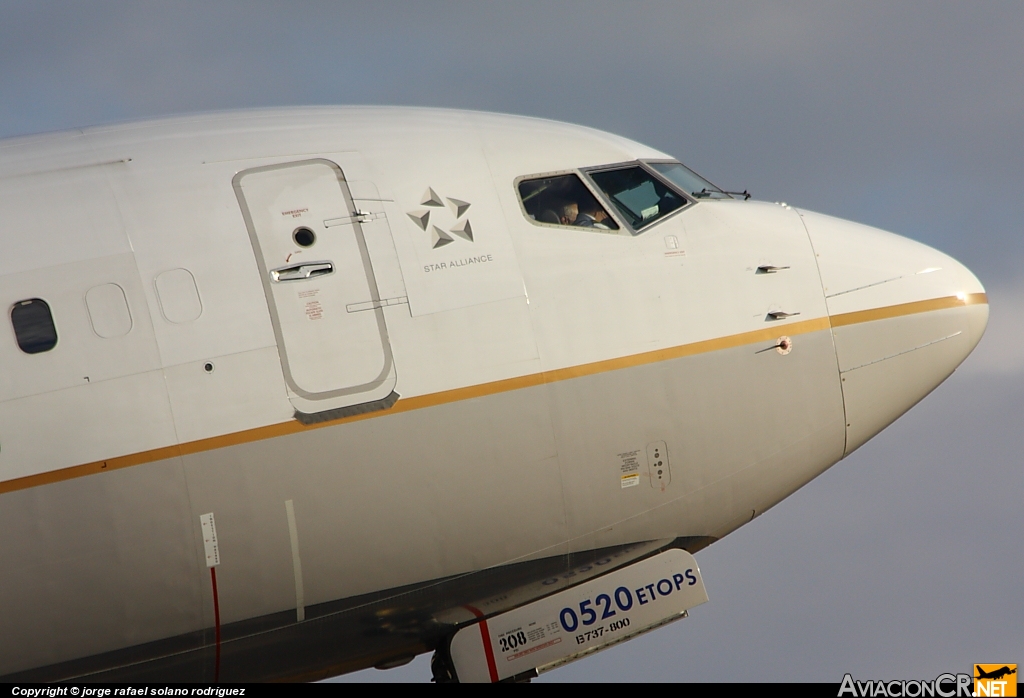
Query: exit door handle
[{"x": 298, "y": 272}]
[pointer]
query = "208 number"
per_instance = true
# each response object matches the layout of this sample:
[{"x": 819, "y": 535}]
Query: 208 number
[{"x": 512, "y": 641}]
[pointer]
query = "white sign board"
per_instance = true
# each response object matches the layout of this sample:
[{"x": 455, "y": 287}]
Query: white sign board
[
  {"x": 580, "y": 620},
  {"x": 210, "y": 540}
]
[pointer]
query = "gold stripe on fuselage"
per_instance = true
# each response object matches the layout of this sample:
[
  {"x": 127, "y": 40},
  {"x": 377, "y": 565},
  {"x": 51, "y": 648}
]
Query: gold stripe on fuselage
[
  {"x": 501, "y": 386},
  {"x": 891, "y": 311}
]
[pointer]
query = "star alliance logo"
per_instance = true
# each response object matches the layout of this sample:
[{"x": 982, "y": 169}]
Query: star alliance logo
[{"x": 435, "y": 208}]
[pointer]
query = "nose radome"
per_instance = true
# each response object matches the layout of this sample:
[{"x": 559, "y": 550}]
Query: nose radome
[{"x": 903, "y": 317}]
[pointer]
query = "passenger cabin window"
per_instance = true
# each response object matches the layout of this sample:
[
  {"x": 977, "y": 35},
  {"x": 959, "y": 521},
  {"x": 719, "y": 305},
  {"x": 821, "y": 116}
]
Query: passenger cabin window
[
  {"x": 564, "y": 200},
  {"x": 688, "y": 180},
  {"x": 33, "y": 326},
  {"x": 640, "y": 197}
]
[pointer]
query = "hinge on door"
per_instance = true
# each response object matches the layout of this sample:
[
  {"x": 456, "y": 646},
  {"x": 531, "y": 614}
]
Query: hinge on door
[
  {"x": 357, "y": 216},
  {"x": 373, "y": 305}
]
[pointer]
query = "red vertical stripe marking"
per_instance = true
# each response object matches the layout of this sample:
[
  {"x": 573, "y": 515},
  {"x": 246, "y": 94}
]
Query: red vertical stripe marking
[
  {"x": 216, "y": 625},
  {"x": 485, "y": 635}
]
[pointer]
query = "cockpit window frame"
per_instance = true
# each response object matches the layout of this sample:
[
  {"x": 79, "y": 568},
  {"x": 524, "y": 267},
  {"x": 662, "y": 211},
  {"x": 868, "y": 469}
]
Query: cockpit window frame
[
  {"x": 689, "y": 195},
  {"x": 689, "y": 200},
  {"x": 623, "y": 229}
]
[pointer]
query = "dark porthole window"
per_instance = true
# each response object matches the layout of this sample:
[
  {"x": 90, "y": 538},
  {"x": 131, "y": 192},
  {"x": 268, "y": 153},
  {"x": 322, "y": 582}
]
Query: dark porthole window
[
  {"x": 304, "y": 237},
  {"x": 33, "y": 326}
]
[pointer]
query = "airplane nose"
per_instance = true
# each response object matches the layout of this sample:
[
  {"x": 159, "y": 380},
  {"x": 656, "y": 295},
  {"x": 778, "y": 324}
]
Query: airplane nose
[{"x": 903, "y": 317}]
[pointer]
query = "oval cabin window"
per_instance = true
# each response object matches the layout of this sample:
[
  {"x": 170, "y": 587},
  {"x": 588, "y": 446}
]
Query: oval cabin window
[
  {"x": 179, "y": 297},
  {"x": 33, "y": 326},
  {"x": 108, "y": 310}
]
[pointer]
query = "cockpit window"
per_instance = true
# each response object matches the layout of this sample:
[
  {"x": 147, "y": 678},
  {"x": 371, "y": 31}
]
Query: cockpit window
[
  {"x": 564, "y": 200},
  {"x": 640, "y": 197},
  {"x": 688, "y": 180}
]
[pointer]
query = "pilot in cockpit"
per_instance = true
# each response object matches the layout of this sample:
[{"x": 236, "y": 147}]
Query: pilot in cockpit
[
  {"x": 568, "y": 211},
  {"x": 591, "y": 215}
]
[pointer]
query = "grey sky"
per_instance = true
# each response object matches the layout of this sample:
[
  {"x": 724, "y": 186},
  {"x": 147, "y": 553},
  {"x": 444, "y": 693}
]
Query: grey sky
[{"x": 902, "y": 561}]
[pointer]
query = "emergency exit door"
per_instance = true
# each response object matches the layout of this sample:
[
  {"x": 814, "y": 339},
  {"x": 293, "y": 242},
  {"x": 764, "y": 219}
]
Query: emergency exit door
[{"x": 320, "y": 288}]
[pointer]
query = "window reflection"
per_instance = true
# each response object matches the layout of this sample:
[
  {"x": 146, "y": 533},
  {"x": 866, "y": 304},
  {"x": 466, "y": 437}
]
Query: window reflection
[
  {"x": 638, "y": 195},
  {"x": 688, "y": 180}
]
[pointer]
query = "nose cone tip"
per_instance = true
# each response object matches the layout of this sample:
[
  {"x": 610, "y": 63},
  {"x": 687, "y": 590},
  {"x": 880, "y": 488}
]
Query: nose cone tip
[
  {"x": 975, "y": 299},
  {"x": 950, "y": 279},
  {"x": 903, "y": 317}
]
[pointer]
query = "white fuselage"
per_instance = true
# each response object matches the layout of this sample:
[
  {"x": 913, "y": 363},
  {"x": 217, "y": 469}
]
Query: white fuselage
[{"x": 413, "y": 411}]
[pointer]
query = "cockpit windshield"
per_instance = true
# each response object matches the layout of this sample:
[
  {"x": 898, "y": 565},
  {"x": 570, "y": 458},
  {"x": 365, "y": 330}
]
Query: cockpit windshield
[
  {"x": 639, "y": 196},
  {"x": 688, "y": 180}
]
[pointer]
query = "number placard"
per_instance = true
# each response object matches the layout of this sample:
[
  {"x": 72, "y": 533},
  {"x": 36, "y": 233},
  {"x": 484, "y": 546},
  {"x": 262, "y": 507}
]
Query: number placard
[{"x": 580, "y": 620}]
